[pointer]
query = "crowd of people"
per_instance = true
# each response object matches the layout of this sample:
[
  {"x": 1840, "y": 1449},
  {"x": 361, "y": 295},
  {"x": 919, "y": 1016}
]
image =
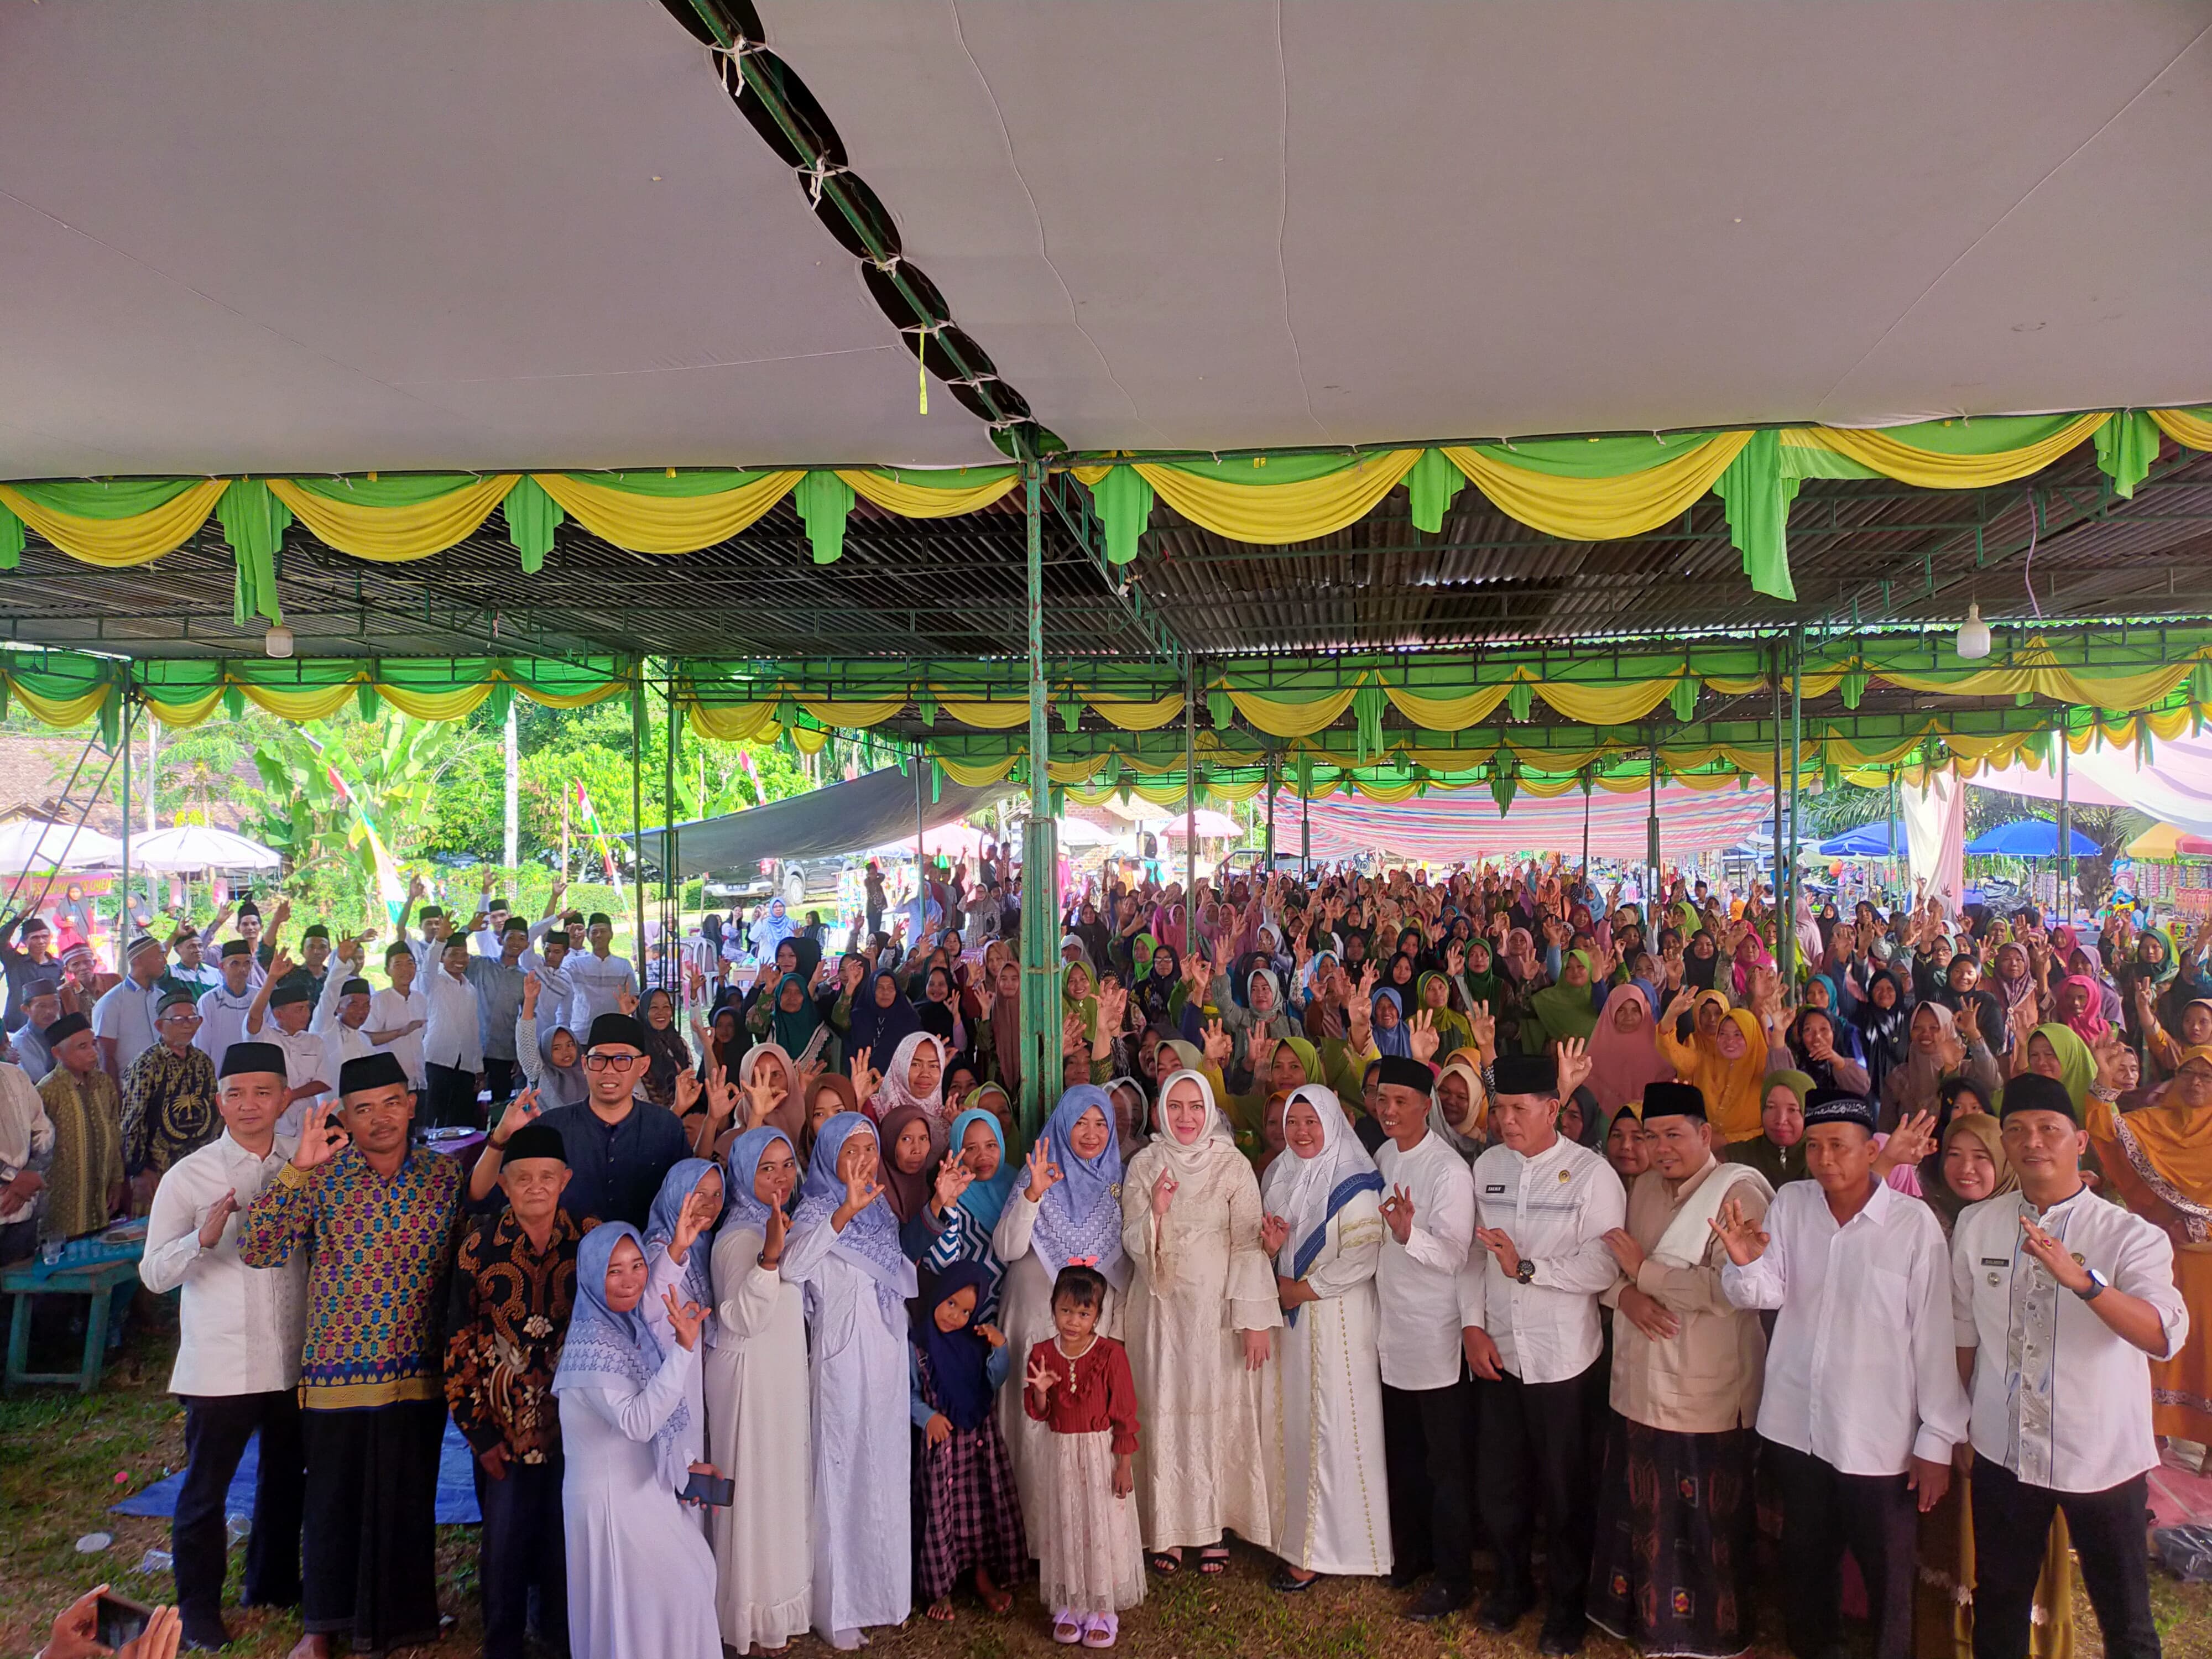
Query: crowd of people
[{"x": 1381, "y": 1222}]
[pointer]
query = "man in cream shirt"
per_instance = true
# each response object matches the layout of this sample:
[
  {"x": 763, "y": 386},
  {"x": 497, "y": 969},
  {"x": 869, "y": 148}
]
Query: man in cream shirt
[{"x": 238, "y": 1363}]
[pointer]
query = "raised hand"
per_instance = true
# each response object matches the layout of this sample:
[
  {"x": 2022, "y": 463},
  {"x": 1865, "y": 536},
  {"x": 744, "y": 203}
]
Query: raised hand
[
  {"x": 1040, "y": 1378},
  {"x": 1574, "y": 1065},
  {"x": 1044, "y": 1174},
  {"x": 860, "y": 1191},
  {"x": 1421, "y": 1037},
  {"x": 1398, "y": 1213},
  {"x": 1260, "y": 1052},
  {"x": 218, "y": 1214},
  {"x": 773, "y": 1233},
  {"x": 1913, "y": 1140},
  {"x": 1219, "y": 1044},
  {"x": 992, "y": 1334},
  {"x": 696, "y": 1216},
  {"x": 684, "y": 1318},
  {"x": 866, "y": 1080},
  {"x": 952, "y": 1180},
  {"x": 2051, "y": 1254},
  {"x": 1739, "y": 1234},
  {"x": 521, "y": 1112},
  {"x": 1163, "y": 1191},
  {"x": 764, "y": 1093},
  {"x": 319, "y": 1140},
  {"x": 1274, "y": 1233},
  {"x": 280, "y": 963},
  {"x": 2110, "y": 1053},
  {"x": 1482, "y": 1024},
  {"x": 627, "y": 1001},
  {"x": 530, "y": 990},
  {"x": 688, "y": 1091}
]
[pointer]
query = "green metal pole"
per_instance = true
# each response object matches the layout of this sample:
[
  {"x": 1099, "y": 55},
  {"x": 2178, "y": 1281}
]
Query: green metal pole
[
  {"x": 637, "y": 807},
  {"x": 1189, "y": 796},
  {"x": 672, "y": 887},
  {"x": 1785, "y": 925},
  {"x": 2065, "y": 821},
  {"x": 1041, "y": 1055}
]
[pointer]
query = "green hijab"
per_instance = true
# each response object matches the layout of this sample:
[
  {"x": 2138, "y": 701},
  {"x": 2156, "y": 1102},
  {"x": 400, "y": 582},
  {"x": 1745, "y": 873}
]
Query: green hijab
[
  {"x": 794, "y": 1032},
  {"x": 1565, "y": 1009},
  {"x": 1086, "y": 1006},
  {"x": 2077, "y": 1067}
]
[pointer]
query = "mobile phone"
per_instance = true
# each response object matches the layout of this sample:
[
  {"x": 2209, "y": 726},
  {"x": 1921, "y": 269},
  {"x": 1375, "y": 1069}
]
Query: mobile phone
[
  {"x": 119, "y": 1620},
  {"x": 713, "y": 1491}
]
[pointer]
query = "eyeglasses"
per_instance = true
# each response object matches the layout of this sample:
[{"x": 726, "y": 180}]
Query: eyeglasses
[{"x": 598, "y": 1062}]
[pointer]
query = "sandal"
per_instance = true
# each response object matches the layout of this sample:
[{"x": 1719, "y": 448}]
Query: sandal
[
  {"x": 1165, "y": 1565},
  {"x": 1288, "y": 1583},
  {"x": 1101, "y": 1629},
  {"x": 1066, "y": 1628},
  {"x": 940, "y": 1612},
  {"x": 1213, "y": 1562}
]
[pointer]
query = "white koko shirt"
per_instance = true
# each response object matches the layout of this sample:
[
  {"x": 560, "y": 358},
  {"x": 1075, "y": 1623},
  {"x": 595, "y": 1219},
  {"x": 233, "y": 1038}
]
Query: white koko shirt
[
  {"x": 1557, "y": 1207},
  {"x": 1417, "y": 1283},
  {"x": 243, "y": 1326},
  {"x": 1861, "y": 1372},
  {"x": 2060, "y": 1398}
]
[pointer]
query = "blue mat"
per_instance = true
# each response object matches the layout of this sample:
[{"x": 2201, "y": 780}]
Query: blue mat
[{"x": 457, "y": 1492}]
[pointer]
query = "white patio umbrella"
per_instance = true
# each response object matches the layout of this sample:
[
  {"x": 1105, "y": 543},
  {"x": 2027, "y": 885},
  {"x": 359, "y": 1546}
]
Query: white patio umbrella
[
  {"x": 1081, "y": 832},
  {"x": 1211, "y": 825},
  {"x": 194, "y": 847},
  {"x": 42, "y": 844}
]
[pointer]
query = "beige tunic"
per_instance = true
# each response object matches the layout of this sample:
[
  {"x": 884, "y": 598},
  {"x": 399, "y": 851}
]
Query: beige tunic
[
  {"x": 1203, "y": 1463},
  {"x": 1705, "y": 1378}
]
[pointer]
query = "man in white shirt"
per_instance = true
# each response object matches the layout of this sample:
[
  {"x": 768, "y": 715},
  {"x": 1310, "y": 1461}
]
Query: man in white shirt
[
  {"x": 1861, "y": 1403},
  {"x": 222, "y": 1011},
  {"x": 1428, "y": 1422},
  {"x": 600, "y": 978},
  {"x": 452, "y": 1042},
  {"x": 122, "y": 1018},
  {"x": 26, "y": 1148},
  {"x": 2061, "y": 1301},
  {"x": 398, "y": 1013},
  {"x": 237, "y": 1361},
  {"x": 1544, "y": 1206},
  {"x": 190, "y": 969},
  {"x": 281, "y": 1009}
]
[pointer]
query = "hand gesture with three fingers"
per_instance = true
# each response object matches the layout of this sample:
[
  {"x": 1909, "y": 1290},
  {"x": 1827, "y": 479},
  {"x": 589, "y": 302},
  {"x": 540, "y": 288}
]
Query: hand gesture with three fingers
[
  {"x": 1421, "y": 1037},
  {"x": 320, "y": 1140},
  {"x": 1398, "y": 1213},
  {"x": 1043, "y": 1174},
  {"x": 684, "y": 1318},
  {"x": 1274, "y": 1233},
  {"x": 1739, "y": 1234}
]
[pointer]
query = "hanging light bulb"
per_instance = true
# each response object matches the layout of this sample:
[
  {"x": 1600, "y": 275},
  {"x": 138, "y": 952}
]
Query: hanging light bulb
[
  {"x": 1973, "y": 636},
  {"x": 277, "y": 642}
]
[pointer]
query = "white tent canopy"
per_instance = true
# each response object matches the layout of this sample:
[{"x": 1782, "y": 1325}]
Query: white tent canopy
[
  {"x": 191, "y": 848},
  {"x": 284, "y": 236},
  {"x": 42, "y": 844}
]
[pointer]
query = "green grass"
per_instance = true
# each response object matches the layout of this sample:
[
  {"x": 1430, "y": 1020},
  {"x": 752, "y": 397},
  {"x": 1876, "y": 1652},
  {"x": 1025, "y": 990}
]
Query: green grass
[{"x": 61, "y": 1453}]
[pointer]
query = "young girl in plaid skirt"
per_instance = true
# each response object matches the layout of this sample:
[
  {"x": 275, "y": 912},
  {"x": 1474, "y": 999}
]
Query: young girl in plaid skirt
[{"x": 968, "y": 1517}]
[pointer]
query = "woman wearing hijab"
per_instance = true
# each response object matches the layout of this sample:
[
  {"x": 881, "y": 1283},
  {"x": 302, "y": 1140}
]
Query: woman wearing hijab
[
  {"x": 1938, "y": 1051},
  {"x": 1201, "y": 1304},
  {"x": 1063, "y": 1209},
  {"x": 1392, "y": 1035},
  {"x": 667, "y": 1055},
  {"x": 970, "y": 1516},
  {"x": 2058, "y": 1051},
  {"x": 1623, "y": 1050},
  {"x": 977, "y": 1178},
  {"x": 1461, "y": 1115},
  {"x": 1811, "y": 1041},
  {"x": 1701, "y": 961},
  {"x": 788, "y": 1018},
  {"x": 641, "y": 1576},
  {"x": 910, "y": 1155},
  {"x": 1777, "y": 1151},
  {"x": 915, "y": 1076},
  {"x": 679, "y": 1233},
  {"x": 1154, "y": 992},
  {"x": 1971, "y": 1166},
  {"x": 550, "y": 1057},
  {"x": 769, "y": 1065},
  {"x": 844, "y": 1248},
  {"x": 1262, "y": 1013},
  {"x": 1324, "y": 1228},
  {"x": 1433, "y": 990},
  {"x": 1884, "y": 1025},
  {"x": 1728, "y": 1065},
  {"x": 1078, "y": 999},
  {"x": 757, "y": 1406},
  {"x": 999, "y": 1035},
  {"x": 772, "y": 929},
  {"x": 1564, "y": 1010},
  {"x": 876, "y": 1017}
]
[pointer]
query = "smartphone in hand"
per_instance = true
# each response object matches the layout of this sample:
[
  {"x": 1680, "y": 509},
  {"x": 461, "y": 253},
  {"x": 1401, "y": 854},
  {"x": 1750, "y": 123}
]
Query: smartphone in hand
[
  {"x": 715, "y": 1491},
  {"x": 117, "y": 1619}
]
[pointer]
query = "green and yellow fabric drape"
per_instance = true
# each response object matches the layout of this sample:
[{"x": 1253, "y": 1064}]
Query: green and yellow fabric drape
[{"x": 1579, "y": 488}]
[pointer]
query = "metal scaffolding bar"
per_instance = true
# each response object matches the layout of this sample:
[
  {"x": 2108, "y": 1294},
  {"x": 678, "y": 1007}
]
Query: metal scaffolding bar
[{"x": 1040, "y": 1040}]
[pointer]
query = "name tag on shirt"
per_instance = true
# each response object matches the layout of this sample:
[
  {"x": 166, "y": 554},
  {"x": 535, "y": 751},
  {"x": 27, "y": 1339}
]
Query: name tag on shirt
[
  {"x": 1499, "y": 1189},
  {"x": 1997, "y": 1262}
]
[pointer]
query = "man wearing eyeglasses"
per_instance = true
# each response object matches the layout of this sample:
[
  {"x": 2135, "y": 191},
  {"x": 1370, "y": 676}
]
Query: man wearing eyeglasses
[{"x": 619, "y": 1144}]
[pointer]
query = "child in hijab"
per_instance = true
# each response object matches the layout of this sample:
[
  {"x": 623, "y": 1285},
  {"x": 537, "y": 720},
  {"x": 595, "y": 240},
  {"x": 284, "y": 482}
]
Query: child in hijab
[{"x": 970, "y": 1516}]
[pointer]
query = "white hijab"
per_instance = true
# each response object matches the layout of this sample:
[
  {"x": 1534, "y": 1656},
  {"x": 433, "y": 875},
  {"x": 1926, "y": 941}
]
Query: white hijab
[
  {"x": 1298, "y": 1189},
  {"x": 1189, "y": 1160}
]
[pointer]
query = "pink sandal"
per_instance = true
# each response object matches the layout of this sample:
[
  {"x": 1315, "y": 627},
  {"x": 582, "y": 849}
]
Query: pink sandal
[
  {"x": 1067, "y": 1627},
  {"x": 1101, "y": 1629}
]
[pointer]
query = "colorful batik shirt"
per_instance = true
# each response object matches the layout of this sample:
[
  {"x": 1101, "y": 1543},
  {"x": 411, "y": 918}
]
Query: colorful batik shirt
[
  {"x": 509, "y": 1316},
  {"x": 379, "y": 1252}
]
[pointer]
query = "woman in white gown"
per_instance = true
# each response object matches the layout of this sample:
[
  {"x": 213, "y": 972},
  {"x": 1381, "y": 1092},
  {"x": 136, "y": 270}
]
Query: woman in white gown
[
  {"x": 641, "y": 1576},
  {"x": 756, "y": 1408},
  {"x": 1324, "y": 1227},
  {"x": 844, "y": 1248},
  {"x": 1065, "y": 1209},
  {"x": 1200, "y": 1311},
  {"x": 679, "y": 1233}
]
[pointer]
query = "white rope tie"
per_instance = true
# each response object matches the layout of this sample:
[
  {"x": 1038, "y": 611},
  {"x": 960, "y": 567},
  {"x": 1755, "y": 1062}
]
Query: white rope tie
[{"x": 819, "y": 172}]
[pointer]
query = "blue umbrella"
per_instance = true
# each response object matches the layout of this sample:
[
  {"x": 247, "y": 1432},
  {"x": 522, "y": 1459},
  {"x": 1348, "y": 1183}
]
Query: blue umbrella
[
  {"x": 2030, "y": 838},
  {"x": 1869, "y": 840}
]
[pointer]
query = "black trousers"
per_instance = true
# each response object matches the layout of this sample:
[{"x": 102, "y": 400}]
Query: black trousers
[
  {"x": 1536, "y": 1454},
  {"x": 2011, "y": 1521},
  {"x": 1824, "y": 1511},
  {"x": 499, "y": 1078},
  {"x": 1427, "y": 1439},
  {"x": 451, "y": 1099},
  {"x": 371, "y": 1543},
  {"x": 522, "y": 1548},
  {"x": 216, "y": 1429}
]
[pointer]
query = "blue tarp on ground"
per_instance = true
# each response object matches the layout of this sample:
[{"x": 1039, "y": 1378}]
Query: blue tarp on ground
[{"x": 457, "y": 1491}]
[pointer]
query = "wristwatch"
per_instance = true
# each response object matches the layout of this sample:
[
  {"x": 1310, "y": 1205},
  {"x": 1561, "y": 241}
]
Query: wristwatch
[
  {"x": 1526, "y": 1272},
  {"x": 2098, "y": 1285}
]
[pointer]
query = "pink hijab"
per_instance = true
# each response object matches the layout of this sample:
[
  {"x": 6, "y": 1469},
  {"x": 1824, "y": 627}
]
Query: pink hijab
[
  {"x": 2089, "y": 1023},
  {"x": 1623, "y": 1062}
]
